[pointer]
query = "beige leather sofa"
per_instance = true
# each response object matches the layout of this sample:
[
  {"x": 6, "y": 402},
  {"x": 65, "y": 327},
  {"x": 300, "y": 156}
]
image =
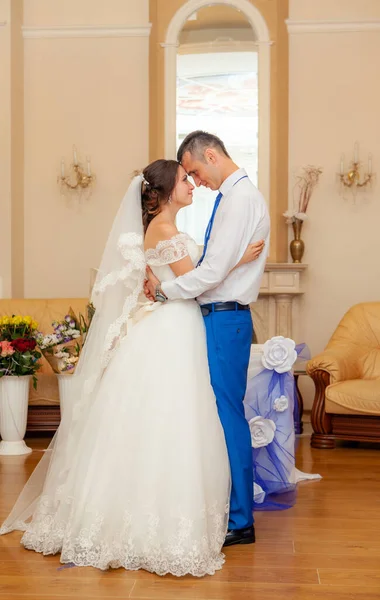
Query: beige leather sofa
[
  {"x": 44, "y": 414},
  {"x": 347, "y": 380}
]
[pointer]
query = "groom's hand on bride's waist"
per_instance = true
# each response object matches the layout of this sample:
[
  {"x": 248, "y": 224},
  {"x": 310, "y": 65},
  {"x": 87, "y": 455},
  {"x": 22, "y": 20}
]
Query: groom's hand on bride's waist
[
  {"x": 147, "y": 292},
  {"x": 150, "y": 284}
]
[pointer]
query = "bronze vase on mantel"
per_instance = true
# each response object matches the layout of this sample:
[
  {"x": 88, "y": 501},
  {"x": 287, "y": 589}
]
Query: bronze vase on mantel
[{"x": 297, "y": 246}]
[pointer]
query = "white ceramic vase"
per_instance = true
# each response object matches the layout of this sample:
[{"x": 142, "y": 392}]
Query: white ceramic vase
[
  {"x": 65, "y": 383},
  {"x": 14, "y": 395}
]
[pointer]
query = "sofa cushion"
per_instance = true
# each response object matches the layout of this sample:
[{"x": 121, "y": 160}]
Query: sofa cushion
[
  {"x": 369, "y": 364},
  {"x": 354, "y": 396},
  {"x": 360, "y": 326}
]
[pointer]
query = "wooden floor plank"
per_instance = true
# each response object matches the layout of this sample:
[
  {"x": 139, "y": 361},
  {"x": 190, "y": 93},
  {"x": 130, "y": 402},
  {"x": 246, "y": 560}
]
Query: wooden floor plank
[
  {"x": 353, "y": 577},
  {"x": 59, "y": 584},
  {"x": 339, "y": 547},
  {"x": 245, "y": 591}
]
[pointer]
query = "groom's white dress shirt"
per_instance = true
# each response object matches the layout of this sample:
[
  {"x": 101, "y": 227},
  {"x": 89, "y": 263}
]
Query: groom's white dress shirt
[{"x": 242, "y": 218}]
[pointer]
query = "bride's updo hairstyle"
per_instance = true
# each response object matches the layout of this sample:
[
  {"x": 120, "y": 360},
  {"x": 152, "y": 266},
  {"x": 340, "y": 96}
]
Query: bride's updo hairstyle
[{"x": 159, "y": 180}]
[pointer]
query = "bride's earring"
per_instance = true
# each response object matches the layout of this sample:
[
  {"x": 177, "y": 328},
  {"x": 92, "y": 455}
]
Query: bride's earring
[{"x": 170, "y": 199}]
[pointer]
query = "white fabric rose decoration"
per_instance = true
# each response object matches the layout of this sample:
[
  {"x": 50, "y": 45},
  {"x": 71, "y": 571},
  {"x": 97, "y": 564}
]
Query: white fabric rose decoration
[
  {"x": 262, "y": 431},
  {"x": 281, "y": 404},
  {"x": 279, "y": 354},
  {"x": 258, "y": 493}
]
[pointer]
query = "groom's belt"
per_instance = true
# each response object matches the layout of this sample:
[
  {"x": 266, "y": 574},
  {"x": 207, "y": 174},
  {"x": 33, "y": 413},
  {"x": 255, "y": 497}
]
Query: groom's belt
[{"x": 218, "y": 306}]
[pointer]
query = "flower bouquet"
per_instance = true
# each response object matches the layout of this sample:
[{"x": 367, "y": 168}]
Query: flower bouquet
[
  {"x": 305, "y": 185},
  {"x": 18, "y": 354},
  {"x": 18, "y": 364},
  {"x": 62, "y": 347},
  {"x": 306, "y": 182}
]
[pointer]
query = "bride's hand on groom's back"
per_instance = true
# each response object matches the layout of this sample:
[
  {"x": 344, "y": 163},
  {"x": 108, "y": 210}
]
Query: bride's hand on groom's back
[{"x": 252, "y": 252}]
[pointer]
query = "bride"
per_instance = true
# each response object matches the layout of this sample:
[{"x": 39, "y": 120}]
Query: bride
[{"x": 137, "y": 475}]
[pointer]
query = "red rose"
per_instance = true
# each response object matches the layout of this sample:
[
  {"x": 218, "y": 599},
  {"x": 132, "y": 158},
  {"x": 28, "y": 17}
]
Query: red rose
[
  {"x": 23, "y": 345},
  {"x": 32, "y": 344}
]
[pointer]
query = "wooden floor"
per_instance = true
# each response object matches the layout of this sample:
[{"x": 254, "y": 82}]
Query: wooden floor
[{"x": 327, "y": 547}]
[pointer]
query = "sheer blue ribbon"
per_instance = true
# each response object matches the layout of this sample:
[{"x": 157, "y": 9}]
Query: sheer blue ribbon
[{"x": 274, "y": 464}]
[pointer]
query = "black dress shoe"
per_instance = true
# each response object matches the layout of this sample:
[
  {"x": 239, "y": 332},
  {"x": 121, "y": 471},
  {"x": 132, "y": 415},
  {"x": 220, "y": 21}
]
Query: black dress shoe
[{"x": 240, "y": 536}]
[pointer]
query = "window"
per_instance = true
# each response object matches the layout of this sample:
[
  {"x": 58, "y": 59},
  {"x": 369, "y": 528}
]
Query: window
[{"x": 218, "y": 92}]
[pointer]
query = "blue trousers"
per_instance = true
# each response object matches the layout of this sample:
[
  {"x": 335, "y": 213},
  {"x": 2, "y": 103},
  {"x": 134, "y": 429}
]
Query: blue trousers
[{"x": 229, "y": 338}]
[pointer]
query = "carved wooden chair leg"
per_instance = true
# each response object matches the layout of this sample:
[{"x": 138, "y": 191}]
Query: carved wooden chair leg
[{"x": 321, "y": 422}]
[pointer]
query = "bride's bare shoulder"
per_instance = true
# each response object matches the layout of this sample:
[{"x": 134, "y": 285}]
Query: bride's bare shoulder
[{"x": 157, "y": 232}]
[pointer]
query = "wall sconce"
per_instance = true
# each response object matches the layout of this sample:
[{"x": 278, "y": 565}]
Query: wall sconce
[
  {"x": 352, "y": 178},
  {"x": 78, "y": 179}
]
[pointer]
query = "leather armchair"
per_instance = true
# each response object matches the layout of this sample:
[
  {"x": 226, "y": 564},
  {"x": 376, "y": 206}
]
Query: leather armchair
[{"x": 347, "y": 380}]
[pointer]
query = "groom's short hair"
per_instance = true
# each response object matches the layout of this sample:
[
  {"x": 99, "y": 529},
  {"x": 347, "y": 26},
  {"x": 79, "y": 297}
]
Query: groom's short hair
[{"x": 197, "y": 142}]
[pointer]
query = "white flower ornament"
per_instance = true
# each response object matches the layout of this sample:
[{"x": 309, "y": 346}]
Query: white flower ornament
[
  {"x": 258, "y": 493},
  {"x": 279, "y": 354},
  {"x": 262, "y": 431},
  {"x": 281, "y": 404}
]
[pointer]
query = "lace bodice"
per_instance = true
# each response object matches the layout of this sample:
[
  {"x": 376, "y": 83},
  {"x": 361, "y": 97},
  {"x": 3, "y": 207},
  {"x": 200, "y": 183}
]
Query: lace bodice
[{"x": 170, "y": 251}]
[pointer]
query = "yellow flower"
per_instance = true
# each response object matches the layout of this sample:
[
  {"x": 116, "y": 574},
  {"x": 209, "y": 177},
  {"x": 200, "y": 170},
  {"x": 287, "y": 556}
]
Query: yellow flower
[
  {"x": 5, "y": 320},
  {"x": 34, "y": 324},
  {"x": 27, "y": 320}
]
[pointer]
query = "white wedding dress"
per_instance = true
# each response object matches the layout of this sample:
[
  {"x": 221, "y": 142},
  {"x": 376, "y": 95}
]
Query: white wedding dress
[{"x": 149, "y": 486}]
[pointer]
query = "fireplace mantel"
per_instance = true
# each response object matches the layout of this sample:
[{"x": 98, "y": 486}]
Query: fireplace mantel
[{"x": 276, "y": 310}]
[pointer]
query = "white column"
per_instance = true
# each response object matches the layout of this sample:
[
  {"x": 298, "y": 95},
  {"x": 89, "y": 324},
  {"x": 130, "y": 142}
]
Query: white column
[{"x": 284, "y": 314}]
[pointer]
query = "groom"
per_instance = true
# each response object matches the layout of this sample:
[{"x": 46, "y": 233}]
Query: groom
[{"x": 240, "y": 217}]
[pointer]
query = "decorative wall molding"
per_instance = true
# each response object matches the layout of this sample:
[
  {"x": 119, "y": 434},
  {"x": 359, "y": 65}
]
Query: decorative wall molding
[
  {"x": 219, "y": 46},
  {"x": 282, "y": 278},
  {"x": 170, "y": 45},
  {"x": 85, "y": 31},
  {"x": 282, "y": 266},
  {"x": 203, "y": 48},
  {"x": 331, "y": 26},
  {"x": 252, "y": 13}
]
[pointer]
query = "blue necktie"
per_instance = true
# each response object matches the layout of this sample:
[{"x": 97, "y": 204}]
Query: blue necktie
[{"x": 209, "y": 227}]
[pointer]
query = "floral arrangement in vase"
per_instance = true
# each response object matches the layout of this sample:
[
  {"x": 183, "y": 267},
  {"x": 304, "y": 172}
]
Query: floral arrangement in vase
[
  {"x": 62, "y": 347},
  {"x": 18, "y": 353},
  {"x": 305, "y": 185}
]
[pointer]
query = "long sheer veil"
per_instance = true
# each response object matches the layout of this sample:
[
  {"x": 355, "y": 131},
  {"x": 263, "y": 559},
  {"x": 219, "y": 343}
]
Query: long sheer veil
[{"x": 115, "y": 295}]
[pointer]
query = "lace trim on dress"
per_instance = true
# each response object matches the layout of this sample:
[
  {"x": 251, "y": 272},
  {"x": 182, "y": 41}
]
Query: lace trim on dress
[
  {"x": 168, "y": 251},
  {"x": 129, "y": 245},
  {"x": 182, "y": 553},
  {"x": 16, "y": 526},
  {"x": 132, "y": 275}
]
